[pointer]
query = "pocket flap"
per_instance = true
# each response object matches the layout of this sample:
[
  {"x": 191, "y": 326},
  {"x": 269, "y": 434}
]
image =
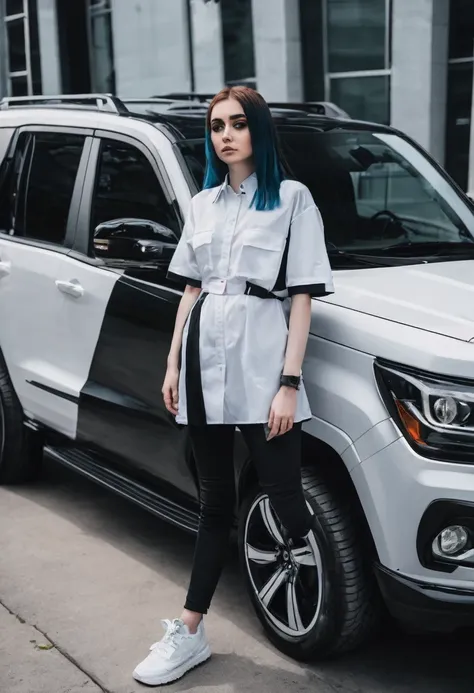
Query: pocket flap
[
  {"x": 201, "y": 238},
  {"x": 266, "y": 239}
]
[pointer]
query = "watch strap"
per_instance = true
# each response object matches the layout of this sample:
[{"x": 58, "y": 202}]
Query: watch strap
[{"x": 290, "y": 381}]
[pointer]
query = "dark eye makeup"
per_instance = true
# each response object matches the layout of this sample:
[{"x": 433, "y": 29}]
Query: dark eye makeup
[{"x": 217, "y": 125}]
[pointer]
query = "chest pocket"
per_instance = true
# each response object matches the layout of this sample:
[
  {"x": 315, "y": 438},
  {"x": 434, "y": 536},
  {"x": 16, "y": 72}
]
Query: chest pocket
[
  {"x": 261, "y": 254},
  {"x": 202, "y": 245}
]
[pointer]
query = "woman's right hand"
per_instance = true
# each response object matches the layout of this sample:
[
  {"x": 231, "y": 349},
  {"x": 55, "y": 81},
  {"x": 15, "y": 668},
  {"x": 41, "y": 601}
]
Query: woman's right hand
[{"x": 170, "y": 390}]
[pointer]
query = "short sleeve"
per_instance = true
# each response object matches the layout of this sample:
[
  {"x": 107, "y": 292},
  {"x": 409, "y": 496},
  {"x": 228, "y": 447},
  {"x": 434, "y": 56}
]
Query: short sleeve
[
  {"x": 183, "y": 266},
  {"x": 308, "y": 270}
]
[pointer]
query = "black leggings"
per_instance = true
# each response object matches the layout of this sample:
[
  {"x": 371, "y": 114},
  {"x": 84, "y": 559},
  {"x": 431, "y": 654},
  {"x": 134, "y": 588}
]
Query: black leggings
[{"x": 278, "y": 465}]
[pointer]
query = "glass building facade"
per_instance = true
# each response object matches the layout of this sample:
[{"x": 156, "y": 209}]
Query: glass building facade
[
  {"x": 341, "y": 51},
  {"x": 357, "y": 57},
  {"x": 460, "y": 93}
]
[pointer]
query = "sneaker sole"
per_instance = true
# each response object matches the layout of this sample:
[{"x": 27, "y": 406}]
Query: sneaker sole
[{"x": 177, "y": 673}]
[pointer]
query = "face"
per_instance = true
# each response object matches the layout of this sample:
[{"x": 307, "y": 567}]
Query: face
[{"x": 230, "y": 133}]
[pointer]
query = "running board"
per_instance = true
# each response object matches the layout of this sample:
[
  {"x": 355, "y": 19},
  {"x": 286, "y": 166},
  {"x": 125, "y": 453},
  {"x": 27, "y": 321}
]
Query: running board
[{"x": 119, "y": 483}]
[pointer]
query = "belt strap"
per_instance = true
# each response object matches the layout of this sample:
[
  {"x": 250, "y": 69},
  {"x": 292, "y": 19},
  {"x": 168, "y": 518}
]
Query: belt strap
[{"x": 260, "y": 292}]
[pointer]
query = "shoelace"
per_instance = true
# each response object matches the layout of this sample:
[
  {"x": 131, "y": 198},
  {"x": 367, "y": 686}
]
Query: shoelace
[{"x": 169, "y": 642}]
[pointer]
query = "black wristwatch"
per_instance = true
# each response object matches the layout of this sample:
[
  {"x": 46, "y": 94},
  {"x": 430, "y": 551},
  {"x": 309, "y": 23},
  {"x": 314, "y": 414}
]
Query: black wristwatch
[{"x": 290, "y": 381}]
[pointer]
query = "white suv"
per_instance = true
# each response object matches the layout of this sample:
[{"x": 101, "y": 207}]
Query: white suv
[{"x": 92, "y": 200}]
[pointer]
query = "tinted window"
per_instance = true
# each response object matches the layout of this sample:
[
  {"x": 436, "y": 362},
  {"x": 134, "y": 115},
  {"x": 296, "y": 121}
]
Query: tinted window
[
  {"x": 128, "y": 188},
  {"x": 461, "y": 28},
  {"x": 43, "y": 175},
  {"x": 356, "y": 35},
  {"x": 238, "y": 42},
  {"x": 374, "y": 190}
]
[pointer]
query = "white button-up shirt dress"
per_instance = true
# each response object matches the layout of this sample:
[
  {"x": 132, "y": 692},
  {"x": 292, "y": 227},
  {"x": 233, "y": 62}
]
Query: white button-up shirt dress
[{"x": 234, "y": 344}]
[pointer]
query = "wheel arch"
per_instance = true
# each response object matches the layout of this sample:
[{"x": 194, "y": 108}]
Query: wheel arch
[{"x": 321, "y": 457}]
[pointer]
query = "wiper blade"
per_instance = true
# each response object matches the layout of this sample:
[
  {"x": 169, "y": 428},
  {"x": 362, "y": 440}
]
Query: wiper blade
[
  {"x": 370, "y": 260},
  {"x": 430, "y": 248}
]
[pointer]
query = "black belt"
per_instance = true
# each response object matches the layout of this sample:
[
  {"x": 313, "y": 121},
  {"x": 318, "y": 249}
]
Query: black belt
[{"x": 260, "y": 292}]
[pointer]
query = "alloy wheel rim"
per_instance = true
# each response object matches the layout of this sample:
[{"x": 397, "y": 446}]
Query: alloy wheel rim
[{"x": 286, "y": 579}]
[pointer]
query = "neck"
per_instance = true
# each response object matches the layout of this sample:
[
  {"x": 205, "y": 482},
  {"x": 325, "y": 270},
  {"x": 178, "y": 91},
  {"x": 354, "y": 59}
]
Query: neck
[{"x": 239, "y": 172}]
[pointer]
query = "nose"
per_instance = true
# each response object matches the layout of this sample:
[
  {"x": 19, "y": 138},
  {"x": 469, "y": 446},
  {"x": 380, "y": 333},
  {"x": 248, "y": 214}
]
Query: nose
[{"x": 227, "y": 136}]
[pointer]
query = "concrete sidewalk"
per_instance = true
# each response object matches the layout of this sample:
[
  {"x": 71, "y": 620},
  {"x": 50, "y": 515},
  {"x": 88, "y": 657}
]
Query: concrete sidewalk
[
  {"x": 30, "y": 662},
  {"x": 94, "y": 574}
]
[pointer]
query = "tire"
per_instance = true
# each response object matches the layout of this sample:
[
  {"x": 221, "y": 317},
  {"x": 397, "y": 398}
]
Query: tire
[
  {"x": 21, "y": 449},
  {"x": 327, "y": 577}
]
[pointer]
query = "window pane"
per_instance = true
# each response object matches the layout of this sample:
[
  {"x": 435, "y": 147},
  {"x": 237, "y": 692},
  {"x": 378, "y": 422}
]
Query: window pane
[
  {"x": 356, "y": 35},
  {"x": 103, "y": 76},
  {"x": 18, "y": 86},
  {"x": 459, "y": 122},
  {"x": 14, "y": 7},
  {"x": 363, "y": 98},
  {"x": 100, "y": 4},
  {"x": 48, "y": 197},
  {"x": 237, "y": 36},
  {"x": 355, "y": 175},
  {"x": 16, "y": 45},
  {"x": 128, "y": 188},
  {"x": 34, "y": 47},
  {"x": 461, "y": 29}
]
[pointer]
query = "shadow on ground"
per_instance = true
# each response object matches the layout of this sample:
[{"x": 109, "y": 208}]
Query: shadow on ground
[{"x": 395, "y": 663}]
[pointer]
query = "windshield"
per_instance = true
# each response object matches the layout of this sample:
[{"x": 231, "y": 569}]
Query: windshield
[{"x": 379, "y": 196}]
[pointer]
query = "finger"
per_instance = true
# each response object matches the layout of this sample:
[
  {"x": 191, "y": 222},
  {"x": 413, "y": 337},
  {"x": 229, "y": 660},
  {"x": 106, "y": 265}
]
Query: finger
[
  {"x": 290, "y": 424},
  {"x": 168, "y": 400},
  {"x": 271, "y": 419},
  {"x": 175, "y": 397},
  {"x": 283, "y": 426},
  {"x": 275, "y": 428}
]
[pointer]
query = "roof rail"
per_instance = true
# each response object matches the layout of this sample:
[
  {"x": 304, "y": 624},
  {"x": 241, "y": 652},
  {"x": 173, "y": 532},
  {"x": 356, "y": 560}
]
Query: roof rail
[
  {"x": 325, "y": 108},
  {"x": 185, "y": 96},
  {"x": 101, "y": 102}
]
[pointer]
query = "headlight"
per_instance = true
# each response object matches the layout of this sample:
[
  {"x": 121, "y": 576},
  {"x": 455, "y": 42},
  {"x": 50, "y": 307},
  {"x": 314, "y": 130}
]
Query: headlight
[{"x": 436, "y": 414}]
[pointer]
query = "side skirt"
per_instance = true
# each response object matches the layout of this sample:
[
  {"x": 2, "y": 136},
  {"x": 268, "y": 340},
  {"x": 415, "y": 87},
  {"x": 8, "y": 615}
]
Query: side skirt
[{"x": 143, "y": 496}]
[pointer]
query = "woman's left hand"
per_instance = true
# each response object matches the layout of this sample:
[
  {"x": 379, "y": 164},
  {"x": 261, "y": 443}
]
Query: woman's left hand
[{"x": 282, "y": 412}]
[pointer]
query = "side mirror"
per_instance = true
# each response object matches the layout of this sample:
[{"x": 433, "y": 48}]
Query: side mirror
[{"x": 140, "y": 240}]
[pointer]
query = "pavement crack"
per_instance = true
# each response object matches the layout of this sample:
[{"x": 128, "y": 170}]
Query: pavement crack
[{"x": 58, "y": 647}]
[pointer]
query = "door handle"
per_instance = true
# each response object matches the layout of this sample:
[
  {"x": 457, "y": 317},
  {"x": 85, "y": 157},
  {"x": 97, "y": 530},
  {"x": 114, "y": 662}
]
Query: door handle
[
  {"x": 73, "y": 288},
  {"x": 5, "y": 269}
]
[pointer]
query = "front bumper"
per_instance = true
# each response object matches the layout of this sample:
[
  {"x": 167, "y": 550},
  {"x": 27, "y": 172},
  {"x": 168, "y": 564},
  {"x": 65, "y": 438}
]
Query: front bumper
[{"x": 431, "y": 607}]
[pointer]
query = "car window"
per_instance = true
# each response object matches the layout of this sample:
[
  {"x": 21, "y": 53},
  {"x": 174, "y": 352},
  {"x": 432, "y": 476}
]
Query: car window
[
  {"x": 40, "y": 180},
  {"x": 376, "y": 191},
  {"x": 128, "y": 198}
]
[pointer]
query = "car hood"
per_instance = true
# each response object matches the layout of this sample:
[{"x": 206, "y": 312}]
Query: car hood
[{"x": 437, "y": 297}]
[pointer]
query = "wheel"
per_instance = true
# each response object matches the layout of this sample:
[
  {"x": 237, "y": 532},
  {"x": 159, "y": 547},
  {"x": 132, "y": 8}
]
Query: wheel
[
  {"x": 21, "y": 449},
  {"x": 315, "y": 598}
]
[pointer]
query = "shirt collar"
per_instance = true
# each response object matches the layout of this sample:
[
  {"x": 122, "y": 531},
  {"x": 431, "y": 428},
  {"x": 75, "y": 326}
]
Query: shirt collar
[{"x": 248, "y": 186}]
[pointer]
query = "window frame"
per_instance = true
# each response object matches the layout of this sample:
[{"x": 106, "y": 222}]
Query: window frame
[
  {"x": 81, "y": 247},
  {"x": 331, "y": 76},
  {"x": 69, "y": 236}
]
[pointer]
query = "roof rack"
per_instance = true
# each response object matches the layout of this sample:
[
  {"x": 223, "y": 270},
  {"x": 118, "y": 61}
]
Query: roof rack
[
  {"x": 325, "y": 108},
  {"x": 185, "y": 96},
  {"x": 100, "y": 102}
]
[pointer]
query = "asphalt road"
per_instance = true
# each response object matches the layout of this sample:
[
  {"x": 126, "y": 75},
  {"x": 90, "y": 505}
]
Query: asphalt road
[{"x": 85, "y": 578}]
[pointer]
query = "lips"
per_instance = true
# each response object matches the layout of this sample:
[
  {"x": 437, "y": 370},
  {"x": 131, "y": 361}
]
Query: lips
[{"x": 228, "y": 149}]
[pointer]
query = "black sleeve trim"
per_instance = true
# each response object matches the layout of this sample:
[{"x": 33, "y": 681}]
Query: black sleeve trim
[
  {"x": 182, "y": 279},
  {"x": 313, "y": 290}
]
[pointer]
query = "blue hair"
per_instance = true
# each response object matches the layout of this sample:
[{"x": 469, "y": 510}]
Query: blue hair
[{"x": 266, "y": 152}]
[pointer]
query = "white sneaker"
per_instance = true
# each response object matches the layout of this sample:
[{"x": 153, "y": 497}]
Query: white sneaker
[{"x": 174, "y": 655}]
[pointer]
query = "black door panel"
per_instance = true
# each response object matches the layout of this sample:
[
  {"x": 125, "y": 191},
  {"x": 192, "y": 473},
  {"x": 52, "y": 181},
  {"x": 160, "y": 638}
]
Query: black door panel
[{"x": 121, "y": 410}]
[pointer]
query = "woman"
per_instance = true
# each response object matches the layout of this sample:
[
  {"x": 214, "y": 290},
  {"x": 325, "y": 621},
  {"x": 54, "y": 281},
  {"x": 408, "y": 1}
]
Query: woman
[{"x": 251, "y": 239}]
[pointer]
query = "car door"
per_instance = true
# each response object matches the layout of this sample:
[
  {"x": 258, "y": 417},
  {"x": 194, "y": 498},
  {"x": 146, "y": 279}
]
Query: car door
[
  {"x": 42, "y": 183},
  {"x": 128, "y": 227}
]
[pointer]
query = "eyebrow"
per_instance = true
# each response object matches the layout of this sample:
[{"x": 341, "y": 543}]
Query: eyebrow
[{"x": 232, "y": 117}]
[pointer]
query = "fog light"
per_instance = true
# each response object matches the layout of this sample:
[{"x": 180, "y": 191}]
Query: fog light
[{"x": 452, "y": 539}]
